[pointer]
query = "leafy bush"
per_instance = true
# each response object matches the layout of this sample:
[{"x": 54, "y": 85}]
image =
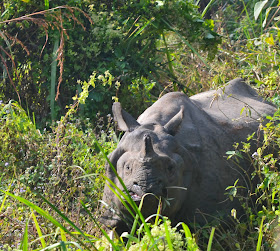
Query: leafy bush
[
  {"x": 114, "y": 35},
  {"x": 262, "y": 206},
  {"x": 160, "y": 232}
]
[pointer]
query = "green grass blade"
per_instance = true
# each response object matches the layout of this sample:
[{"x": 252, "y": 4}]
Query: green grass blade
[
  {"x": 206, "y": 8},
  {"x": 119, "y": 194},
  {"x": 75, "y": 244},
  {"x": 187, "y": 231},
  {"x": 34, "y": 121},
  {"x": 154, "y": 244},
  {"x": 133, "y": 230},
  {"x": 38, "y": 230},
  {"x": 132, "y": 203},
  {"x": 260, "y": 235},
  {"x": 158, "y": 212},
  {"x": 210, "y": 239},
  {"x": 51, "y": 246},
  {"x": 167, "y": 235}
]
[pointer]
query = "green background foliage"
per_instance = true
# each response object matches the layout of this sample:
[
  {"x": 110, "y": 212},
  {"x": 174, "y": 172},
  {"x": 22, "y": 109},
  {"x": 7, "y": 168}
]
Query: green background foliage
[
  {"x": 126, "y": 38},
  {"x": 99, "y": 52}
]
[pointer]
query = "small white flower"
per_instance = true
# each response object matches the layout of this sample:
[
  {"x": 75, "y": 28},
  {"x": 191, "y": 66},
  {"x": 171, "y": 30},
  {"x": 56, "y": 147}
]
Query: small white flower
[
  {"x": 100, "y": 77},
  {"x": 255, "y": 155}
]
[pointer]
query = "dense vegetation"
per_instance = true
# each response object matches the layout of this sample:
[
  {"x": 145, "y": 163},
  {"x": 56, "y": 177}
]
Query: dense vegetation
[{"x": 63, "y": 63}]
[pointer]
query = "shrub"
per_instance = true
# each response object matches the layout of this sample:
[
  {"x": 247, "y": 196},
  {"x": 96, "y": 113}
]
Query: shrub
[
  {"x": 114, "y": 35},
  {"x": 62, "y": 163}
]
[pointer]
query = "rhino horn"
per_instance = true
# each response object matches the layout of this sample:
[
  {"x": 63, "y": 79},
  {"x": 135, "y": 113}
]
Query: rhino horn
[
  {"x": 174, "y": 123},
  {"x": 147, "y": 149},
  {"x": 125, "y": 121}
]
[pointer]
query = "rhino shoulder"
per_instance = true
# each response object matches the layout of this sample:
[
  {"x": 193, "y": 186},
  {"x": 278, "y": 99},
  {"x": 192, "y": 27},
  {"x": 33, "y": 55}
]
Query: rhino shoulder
[{"x": 164, "y": 108}]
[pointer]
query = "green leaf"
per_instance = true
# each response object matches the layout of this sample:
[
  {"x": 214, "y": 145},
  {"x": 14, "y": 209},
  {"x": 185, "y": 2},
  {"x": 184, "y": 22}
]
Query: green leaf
[
  {"x": 258, "y": 8},
  {"x": 250, "y": 136},
  {"x": 230, "y": 152},
  {"x": 208, "y": 35},
  {"x": 270, "y": 40}
]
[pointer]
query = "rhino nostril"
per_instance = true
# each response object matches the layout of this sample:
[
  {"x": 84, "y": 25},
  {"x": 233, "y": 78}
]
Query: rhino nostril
[{"x": 135, "y": 183}]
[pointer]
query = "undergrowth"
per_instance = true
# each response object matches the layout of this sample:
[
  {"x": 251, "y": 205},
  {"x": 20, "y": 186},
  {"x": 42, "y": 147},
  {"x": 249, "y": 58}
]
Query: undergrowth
[{"x": 51, "y": 182}]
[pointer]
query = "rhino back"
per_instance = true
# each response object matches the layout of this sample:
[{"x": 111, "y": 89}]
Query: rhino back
[
  {"x": 215, "y": 112},
  {"x": 235, "y": 107}
]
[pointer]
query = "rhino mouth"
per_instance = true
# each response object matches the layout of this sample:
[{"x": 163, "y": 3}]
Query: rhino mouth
[{"x": 136, "y": 193}]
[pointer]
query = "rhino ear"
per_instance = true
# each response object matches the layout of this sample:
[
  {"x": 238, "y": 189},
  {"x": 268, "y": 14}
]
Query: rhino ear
[
  {"x": 125, "y": 121},
  {"x": 113, "y": 157},
  {"x": 173, "y": 124}
]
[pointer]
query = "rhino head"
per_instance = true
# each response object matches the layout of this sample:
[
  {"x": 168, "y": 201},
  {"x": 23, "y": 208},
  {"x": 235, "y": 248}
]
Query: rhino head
[{"x": 150, "y": 160}]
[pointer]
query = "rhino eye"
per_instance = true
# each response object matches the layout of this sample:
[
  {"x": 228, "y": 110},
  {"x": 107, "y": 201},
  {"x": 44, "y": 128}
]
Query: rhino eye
[
  {"x": 127, "y": 167},
  {"x": 170, "y": 168}
]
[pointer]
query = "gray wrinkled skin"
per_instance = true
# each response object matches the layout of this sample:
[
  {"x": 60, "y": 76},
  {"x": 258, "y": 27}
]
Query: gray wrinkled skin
[{"x": 181, "y": 141}]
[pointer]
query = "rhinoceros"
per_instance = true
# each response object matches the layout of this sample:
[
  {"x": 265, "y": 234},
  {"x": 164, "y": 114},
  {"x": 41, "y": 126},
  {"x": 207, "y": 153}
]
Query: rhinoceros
[{"x": 176, "y": 150}]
